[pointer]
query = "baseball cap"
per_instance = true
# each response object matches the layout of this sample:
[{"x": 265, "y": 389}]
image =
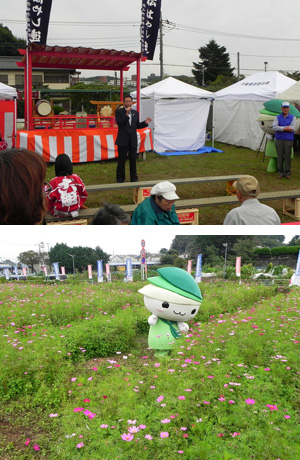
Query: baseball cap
[
  {"x": 285, "y": 104},
  {"x": 166, "y": 189},
  {"x": 247, "y": 186}
]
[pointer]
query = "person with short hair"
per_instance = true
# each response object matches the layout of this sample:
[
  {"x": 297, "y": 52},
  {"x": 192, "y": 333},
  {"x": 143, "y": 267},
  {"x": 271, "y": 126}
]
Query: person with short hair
[
  {"x": 22, "y": 176},
  {"x": 251, "y": 211},
  {"x": 65, "y": 193},
  {"x": 111, "y": 214},
  {"x": 128, "y": 122},
  {"x": 284, "y": 126},
  {"x": 158, "y": 208}
]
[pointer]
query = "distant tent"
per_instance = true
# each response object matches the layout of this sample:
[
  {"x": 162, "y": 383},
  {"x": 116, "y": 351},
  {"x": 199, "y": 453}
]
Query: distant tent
[
  {"x": 292, "y": 94},
  {"x": 179, "y": 113},
  {"x": 7, "y": 92},
  {"x": 236, "y": 108}
]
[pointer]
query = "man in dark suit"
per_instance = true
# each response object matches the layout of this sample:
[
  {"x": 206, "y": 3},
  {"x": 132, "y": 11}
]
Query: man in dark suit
[{"x": 128, "y": 122}]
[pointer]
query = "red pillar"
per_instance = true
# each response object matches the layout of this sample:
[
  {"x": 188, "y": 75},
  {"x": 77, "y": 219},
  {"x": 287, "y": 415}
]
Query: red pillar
[{"x": 29, "y": 86}]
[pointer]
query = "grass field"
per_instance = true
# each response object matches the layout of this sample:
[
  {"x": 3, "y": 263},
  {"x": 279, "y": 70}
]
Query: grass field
[
  {"x": 78, "y": 382},
  {"x": 234, "y": 160}
]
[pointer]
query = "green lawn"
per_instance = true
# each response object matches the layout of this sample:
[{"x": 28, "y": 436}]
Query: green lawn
[{"x": 233, "y": 160}]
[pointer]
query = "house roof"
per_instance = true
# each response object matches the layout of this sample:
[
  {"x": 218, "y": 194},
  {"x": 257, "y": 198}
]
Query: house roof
[{"x": 68, "y": 57}]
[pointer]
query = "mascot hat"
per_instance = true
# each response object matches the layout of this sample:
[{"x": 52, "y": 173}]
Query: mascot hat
[{"x": 177, "y": 280}]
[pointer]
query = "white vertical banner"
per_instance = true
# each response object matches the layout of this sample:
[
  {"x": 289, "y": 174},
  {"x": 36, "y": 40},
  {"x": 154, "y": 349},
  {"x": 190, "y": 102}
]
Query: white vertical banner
[
  {"x": 100, "y": 271},
  {"x": 198, "y": 274},
  {"x": 129, "y": 276},
  {"x": 90, "y": 272},
  {"x": 238, "y": 267},
  {"x": 189, "y": 267},
  {"x": 63, "y": 270},
  {"x": 16, "y": 272},
  {"x": 6, "y": 273},
  {"x": 56, "y": 270},
  {"x": 297, "y": 271}
]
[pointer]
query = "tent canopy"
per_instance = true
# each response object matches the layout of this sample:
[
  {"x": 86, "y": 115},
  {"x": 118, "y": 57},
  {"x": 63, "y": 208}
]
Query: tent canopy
[
  {"x": 292, "y": 94},
  {"x": 260, "y": 86},
  {"x": 172, "y": 88},
  {"x": 7, "y": 92}
]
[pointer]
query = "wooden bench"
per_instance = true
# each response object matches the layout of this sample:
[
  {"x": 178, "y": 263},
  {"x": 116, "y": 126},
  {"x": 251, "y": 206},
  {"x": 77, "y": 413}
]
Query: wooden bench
[
  {"x": 194, "y": 203},
  {"x": 151, "y": 183}
]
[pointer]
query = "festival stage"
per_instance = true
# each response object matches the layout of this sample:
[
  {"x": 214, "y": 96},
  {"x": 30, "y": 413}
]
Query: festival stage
[{"x": 81, "y": 145}]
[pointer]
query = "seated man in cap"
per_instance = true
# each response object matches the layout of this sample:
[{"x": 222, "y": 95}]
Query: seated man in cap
[
  {"x": 284, "y": 126},
  {"x": 251, "y": 211},
  {"x": 158, "y": 208}
]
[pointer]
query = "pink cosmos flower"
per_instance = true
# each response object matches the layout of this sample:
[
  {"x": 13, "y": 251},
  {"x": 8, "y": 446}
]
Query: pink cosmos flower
[
  {"x": 271, "y": 407},
  {"x": 180, "y": 451},
  {"x": 78, "y": 409},
  {"x": 142, "y": 427},
  {"x": 95, "y": 368},
  {"x": 164, "y": 434},
  {"x": 221, "y": 398},
  {"x": 53, "y": 415},
  {"x": 127, "y": 437},
  {"x": 80, "y": 445},
  {"x": 133, "y": 429},
  {"x": 166, "y": 420},
  {"x": 36, "y": 447},
  {"x": 27, "y": 442},
  {"x": 103, "y": 426},
  {"x": 235, "y": 434},
  {"x": 231, "y": 401},
  {"x": 160, "y": 398},
  {"x": 149, "y": 437},
  {"x": 181, "y": 397},
  {"x": 86, "y": 400},
  {"x": 286, "y": 416},
  {"x": 250, "y": 401}
]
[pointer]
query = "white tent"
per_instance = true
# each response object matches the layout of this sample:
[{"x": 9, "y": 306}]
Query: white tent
[
  {"x": 179, "y": 114},
  {"x": 292, "y": 94},
  {"x": 7, "y": 92},
  {"x": 236, "y": 108}
]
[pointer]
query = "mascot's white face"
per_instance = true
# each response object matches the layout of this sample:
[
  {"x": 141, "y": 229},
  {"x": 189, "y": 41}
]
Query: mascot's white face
[
  {"x": 171, "y": 311},
  {"x": 169, "y": 305}
]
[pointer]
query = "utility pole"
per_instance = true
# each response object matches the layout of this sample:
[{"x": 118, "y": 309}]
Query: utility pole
[
  {"x": 161, "y": 57},
  {"x": 238, "y": 65}
]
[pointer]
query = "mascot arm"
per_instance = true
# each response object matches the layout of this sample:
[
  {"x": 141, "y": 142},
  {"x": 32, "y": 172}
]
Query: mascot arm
[
  {"x": 152, "y": 320},
  {"x": 183, "y": 327}
]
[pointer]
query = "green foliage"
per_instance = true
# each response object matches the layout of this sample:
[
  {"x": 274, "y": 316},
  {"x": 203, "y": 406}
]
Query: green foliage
[
  {"x": 57, "y": 109},
  {"x": 83, "y": 256},
  {"x": 9, "y": 44}
]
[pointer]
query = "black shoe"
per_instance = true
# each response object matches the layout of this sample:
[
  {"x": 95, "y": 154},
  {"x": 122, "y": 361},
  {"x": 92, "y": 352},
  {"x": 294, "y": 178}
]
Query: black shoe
[
  {"x": 134, "y": 180},
  {"x": 120, "y": 181}
]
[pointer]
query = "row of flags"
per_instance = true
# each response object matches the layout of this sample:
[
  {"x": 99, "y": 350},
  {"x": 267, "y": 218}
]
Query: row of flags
[
  {"x": 129, "y": 272},
  {"x": 38, "y": 16}
]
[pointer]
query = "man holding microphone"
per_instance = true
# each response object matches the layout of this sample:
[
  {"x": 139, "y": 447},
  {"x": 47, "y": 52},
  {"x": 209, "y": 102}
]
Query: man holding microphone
[
  {"x": 128, "y": 122},
  {"x": 284, "y": 126}
]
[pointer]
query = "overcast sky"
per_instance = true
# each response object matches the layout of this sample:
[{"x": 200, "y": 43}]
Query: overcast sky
[
  {"x": 261, "y": 31},
  {"x": 114, "y": 239}
]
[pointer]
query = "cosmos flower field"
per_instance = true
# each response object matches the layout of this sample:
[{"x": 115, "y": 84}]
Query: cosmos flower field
[{"x": 77, "y": 380}]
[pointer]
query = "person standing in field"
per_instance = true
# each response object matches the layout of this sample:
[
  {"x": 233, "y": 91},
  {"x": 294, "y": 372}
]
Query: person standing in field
[{"x": 284, "y": 126}]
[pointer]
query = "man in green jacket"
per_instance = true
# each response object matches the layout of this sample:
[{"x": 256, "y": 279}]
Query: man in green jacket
[{"x": 159, "y": 208}]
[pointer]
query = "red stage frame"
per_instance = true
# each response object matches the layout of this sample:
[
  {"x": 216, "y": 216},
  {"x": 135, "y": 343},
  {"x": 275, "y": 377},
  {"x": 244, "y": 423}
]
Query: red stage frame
[{"x": 67, "y": 57}]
